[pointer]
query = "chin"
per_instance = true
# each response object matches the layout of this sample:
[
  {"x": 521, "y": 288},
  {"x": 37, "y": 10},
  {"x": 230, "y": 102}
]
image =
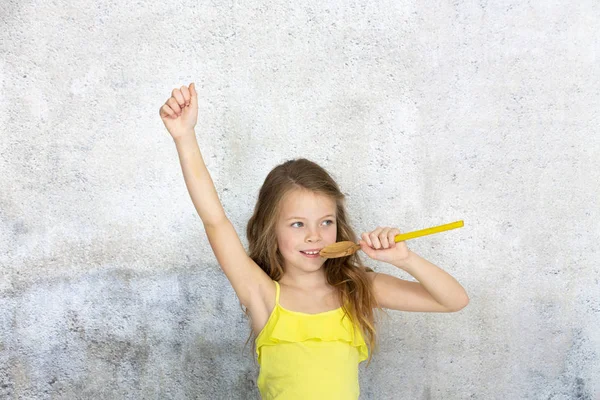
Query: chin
[{"x": 312, "y": 267}]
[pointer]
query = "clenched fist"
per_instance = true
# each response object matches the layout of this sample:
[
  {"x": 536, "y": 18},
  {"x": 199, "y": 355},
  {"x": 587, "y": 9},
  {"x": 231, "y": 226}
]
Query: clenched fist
[
  {"x": 180, "y": 111},
  {"x": 380, "y": 245}
]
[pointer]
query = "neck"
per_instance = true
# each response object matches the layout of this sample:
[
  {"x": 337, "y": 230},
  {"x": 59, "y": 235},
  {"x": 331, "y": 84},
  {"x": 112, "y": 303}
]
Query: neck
[{"x": 304, "y": 280}]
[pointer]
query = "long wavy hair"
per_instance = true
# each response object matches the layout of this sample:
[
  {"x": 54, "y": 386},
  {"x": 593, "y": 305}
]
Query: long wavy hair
[{"x": 346, "y": 274}]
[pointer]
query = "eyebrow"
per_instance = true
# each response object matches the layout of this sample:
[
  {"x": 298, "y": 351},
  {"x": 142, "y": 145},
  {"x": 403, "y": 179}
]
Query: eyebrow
[{"x": 329, "y": 215}]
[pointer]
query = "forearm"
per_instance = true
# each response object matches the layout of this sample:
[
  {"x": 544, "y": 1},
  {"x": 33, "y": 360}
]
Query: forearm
[
  {"x": 198, "y": 181},
  {"x": 440, "y": 285}
]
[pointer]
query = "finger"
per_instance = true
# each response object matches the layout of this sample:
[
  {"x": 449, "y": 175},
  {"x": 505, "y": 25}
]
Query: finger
[
  {"x": 166, "y": 111},
  {"x": 383, "y": 238},
  {"x": 392, "y": 236},
  {"x": 186, "y": 95},
  {"x": 174, "y": 105},
  {"x": 176, "y": 94},
  {"x": 368, "y": 250},
  {"x": 366, "y": 238},
  {"x": 375, "y": 238}
]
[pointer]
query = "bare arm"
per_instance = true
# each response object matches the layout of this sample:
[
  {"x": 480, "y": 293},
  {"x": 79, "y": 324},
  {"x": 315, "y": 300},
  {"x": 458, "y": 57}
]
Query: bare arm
[
  {"x": 436, "y": 291},
  {"x": 251, "y": 284},
  {"x": 440, "y": 285},
  {"x": 198, "y": 181}
]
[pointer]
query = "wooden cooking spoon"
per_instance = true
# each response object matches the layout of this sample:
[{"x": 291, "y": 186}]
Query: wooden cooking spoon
[{"x": 342, "y": 249}]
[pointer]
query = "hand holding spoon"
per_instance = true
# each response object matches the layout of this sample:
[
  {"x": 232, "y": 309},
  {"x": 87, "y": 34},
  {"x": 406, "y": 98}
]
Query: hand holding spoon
[{"x": 346, "y": 248}]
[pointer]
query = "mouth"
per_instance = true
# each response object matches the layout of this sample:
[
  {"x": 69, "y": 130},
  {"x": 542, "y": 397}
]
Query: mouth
[{"x": 311, "y": 253}]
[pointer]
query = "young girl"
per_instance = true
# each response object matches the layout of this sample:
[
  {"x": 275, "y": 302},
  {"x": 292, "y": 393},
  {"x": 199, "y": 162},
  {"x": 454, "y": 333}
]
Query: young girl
[{"x": 313, "y": 317}]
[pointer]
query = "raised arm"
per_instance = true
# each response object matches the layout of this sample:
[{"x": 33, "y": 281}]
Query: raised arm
[
  {"x": 179, "y": 114},
  {"x": 198, "y": 181}
]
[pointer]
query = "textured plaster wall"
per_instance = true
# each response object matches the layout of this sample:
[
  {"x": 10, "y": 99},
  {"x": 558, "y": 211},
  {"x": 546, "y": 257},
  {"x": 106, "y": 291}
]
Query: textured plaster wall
[{"x": 425, "y": 112}]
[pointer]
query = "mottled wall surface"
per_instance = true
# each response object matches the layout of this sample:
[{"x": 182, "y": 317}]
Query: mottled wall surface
[{"x": 426, "y": 113}]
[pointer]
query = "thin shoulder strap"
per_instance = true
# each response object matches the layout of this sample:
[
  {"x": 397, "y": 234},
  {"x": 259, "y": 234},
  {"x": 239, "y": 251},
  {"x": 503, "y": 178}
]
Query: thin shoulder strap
[{"x": 276, "y": 292}]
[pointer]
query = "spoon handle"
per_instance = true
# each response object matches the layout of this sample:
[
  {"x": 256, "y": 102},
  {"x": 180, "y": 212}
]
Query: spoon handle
[{"x": 429, "y": 231}]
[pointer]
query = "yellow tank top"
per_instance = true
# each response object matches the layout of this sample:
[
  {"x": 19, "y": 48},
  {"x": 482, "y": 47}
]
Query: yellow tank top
[{"x": 309, "y": 356}]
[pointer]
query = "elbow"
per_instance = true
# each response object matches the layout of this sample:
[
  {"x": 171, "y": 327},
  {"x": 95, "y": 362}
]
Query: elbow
[
  {"x": 459, "y": 304},
  {"x": 463, "y": 303}
]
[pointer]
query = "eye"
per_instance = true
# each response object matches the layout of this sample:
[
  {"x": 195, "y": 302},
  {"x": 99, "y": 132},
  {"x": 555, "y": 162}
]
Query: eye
[
  {"x": 294, "y": 223},
  {"x": 330, "y": 222}
]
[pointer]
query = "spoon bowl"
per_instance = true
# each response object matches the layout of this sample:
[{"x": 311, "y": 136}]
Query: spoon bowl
[{"x": 339, "y": 249}]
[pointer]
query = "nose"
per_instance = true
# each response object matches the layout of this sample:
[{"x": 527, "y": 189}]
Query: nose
[{"x": 313, "y": 236}]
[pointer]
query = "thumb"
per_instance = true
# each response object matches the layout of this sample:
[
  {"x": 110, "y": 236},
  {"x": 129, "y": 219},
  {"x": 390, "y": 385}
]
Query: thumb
[
  {"x": 367, "y": 249},
  {"x": 193, "y": 94}
]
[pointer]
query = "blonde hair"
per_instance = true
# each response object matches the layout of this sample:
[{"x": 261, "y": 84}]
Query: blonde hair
[{"x": 346, "y": 274}]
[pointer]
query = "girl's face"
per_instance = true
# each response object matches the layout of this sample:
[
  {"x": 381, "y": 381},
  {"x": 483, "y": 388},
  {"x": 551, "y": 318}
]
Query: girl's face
[{"x": 307, "y": 222}]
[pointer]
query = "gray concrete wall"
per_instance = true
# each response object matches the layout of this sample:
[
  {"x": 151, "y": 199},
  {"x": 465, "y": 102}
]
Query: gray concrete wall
[{"x": 426, "y": 113}]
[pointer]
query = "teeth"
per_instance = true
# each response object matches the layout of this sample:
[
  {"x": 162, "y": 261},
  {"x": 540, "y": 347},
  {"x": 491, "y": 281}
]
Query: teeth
[{"x": 311, "y": 252}]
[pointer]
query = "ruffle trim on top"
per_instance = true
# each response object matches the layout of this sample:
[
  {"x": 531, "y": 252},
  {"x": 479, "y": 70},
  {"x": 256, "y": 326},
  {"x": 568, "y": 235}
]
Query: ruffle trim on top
[{"x": 285, "y": 326}]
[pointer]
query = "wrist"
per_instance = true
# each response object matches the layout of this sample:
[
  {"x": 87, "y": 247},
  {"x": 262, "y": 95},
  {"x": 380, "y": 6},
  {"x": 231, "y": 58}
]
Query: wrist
[
  {"x": 186, "y": 136},
  {"x": 406, "y": 262}
]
